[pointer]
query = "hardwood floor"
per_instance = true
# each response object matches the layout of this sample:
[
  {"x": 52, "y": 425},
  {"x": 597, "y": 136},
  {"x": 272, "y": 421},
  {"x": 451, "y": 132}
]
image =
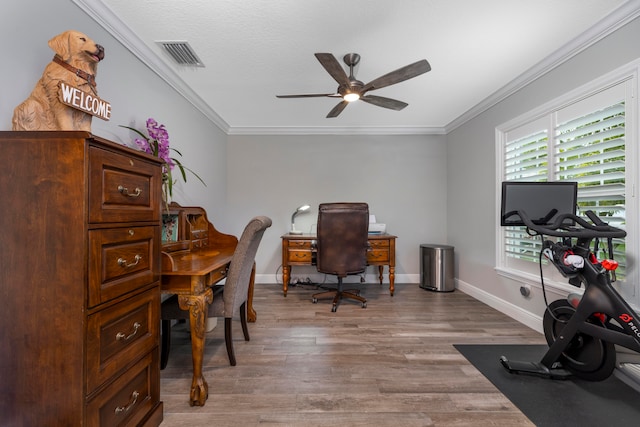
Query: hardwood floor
[{"x": 391, "y": 364}]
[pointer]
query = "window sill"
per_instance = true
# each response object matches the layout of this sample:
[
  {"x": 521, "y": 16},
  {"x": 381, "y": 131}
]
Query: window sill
[{"x": 534, "y": 281}]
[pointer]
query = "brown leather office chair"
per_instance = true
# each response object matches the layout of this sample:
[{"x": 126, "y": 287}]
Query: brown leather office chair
[
  {"x": 342, "y": 246},
  {"x": 228, "y": 299}
]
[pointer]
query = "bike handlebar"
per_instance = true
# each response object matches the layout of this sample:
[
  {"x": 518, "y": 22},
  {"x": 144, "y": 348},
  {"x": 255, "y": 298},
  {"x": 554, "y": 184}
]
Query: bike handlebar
[{"x": 599, "y": 228}]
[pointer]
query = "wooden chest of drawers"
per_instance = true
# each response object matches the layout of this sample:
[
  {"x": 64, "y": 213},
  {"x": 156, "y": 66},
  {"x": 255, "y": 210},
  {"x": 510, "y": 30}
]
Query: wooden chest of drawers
[{"x": 79, "y": 282}]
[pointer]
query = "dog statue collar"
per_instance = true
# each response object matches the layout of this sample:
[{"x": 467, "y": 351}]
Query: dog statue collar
[{"x": 90, "y": 78}]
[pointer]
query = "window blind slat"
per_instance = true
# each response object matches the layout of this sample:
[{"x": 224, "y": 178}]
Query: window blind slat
[
  {"x": 537, "y": 175},
  {"x": 516, "y": 148},
  {"x": 597, "y": 116},
  {"x": 581, "y": 167},
  {"x": 601, "y": 191},
  {"x": 609, "y": 137}
]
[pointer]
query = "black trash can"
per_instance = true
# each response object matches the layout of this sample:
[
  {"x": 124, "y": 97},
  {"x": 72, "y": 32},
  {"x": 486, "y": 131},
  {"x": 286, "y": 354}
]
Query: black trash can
[{"x": 436, "y": 267}]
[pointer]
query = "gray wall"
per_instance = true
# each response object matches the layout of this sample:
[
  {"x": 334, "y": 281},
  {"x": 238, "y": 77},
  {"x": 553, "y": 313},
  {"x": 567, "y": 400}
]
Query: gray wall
[
  {"x": 134, "y": 91},
  {"x": 402, "y": 178},
  {"x": 471, "y": 167},
  {"x": 425, "y": 188}
]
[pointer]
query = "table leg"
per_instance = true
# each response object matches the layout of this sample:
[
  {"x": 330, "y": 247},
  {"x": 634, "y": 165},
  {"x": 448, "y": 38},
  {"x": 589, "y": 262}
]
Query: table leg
[
  {"x": 380, "y": 271},
  {"x": 251, "y": 313},
  {"x": 286, "y": 271},
  {"x": 197, "y": 306},
  {"x": 392, "y": 279}
]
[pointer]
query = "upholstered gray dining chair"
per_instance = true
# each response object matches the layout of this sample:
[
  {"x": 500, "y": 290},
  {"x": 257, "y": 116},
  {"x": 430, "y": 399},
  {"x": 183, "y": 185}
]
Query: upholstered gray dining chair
[
  {"x": 342, "y": 246},
  {"x": 228, "y": 299}
]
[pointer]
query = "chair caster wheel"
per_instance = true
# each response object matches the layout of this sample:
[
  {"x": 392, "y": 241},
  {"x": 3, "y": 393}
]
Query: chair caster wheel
[
  {"x": 314, "y": 300},
  {"x": 333, "y": 309},
  {"x": 364, "y": 305}
]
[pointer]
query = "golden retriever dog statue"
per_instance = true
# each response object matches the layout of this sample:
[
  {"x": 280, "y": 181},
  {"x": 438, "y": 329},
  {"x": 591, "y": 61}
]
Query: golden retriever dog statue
[{"x": 75, "y": 64}]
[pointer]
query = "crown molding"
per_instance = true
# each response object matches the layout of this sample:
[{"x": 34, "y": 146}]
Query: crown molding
[
  {"x": 624, "y": 14},
  {"x": 336, "y": 130},
  {"x": 106, "y": 18}
]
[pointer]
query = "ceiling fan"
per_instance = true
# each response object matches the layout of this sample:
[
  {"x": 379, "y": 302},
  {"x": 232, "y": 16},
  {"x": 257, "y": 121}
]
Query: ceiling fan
[{"x": 350, "y": 89}]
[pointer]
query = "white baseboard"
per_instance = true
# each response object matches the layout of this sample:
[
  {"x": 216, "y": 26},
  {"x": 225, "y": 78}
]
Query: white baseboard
[{"x": 525, "y": 317}]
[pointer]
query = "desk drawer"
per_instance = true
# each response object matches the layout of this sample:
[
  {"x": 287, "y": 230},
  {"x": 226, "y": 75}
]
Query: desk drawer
[
  {"x": 122, "y": 188},
  {"x": 199, "y": 244},
  {"x": 119, "y": 334},
  {"x": 300, "y": 256},
  {"x": 299, "y": 244},
  {"x": 299, "y": 252},
  {"x": 375, "y": 256},
  {"x": 217, "y": 275},
  {"x": 383, "y": 243},
  {"x": 128, "y": 400},
  {"x": 121, "y": 260}
]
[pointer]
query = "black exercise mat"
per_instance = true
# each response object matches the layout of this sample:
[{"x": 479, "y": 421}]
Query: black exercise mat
[{"x": 572, "y": 402}]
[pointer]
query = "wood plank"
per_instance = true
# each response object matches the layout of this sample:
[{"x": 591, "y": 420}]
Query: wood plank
[{"x": 390, "y": 364}]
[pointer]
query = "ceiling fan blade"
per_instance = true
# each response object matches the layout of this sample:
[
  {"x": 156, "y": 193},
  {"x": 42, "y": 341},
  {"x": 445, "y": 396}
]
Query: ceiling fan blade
[
  {"x": 311, "y": 95},
  {"x": 381, "y": 101},
  {"x": 401, "y": 74},
  {"x": 333, "y": 67},
  {"x": 337, "y": 109}
]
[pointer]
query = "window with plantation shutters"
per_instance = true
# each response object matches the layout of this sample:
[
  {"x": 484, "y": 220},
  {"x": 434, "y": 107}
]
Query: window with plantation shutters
[
  {"x": 582, "y": 140},
  {"x": 590, "y": 150}
]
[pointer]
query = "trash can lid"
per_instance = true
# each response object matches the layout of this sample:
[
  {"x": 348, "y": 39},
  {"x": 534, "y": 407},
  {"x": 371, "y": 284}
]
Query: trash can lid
[{"x": 435, "y": 246}]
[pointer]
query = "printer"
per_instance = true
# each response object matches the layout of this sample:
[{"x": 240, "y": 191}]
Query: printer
[{"x": 376, "y": 227}]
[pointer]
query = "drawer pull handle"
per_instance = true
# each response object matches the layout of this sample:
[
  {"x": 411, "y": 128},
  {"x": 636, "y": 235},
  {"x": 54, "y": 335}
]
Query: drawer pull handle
[
  {"x": 133, "y": 400},
  {"x": 123, "y": 262},
  {"x": 122, "y": 336},
  {"x": 125, "y": 191}
]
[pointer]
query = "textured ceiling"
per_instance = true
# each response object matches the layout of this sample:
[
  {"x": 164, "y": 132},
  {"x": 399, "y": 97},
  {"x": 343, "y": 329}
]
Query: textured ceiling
[{"x": 255, "y": 49}]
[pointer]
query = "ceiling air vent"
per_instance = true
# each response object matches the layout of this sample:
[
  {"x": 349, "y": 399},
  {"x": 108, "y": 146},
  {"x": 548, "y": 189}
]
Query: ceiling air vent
[{"x": 181, "y": 52}]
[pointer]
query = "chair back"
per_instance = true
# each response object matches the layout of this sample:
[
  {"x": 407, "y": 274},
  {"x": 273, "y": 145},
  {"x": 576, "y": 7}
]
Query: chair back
[
  {"x": 236, "y": 287},
  {"x": 342, "y": 238}
]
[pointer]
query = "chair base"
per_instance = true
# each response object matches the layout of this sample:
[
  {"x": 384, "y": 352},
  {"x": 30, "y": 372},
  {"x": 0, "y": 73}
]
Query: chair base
[{"x": 338, "y": 294}]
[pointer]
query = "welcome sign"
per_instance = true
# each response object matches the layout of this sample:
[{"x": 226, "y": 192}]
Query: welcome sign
[{"x": 84, "y": 101}]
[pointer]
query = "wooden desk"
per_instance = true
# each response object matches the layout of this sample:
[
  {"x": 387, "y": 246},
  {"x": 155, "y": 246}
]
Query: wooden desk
[
  {"x": 297, "y": 250},
  {"x": 198, "y": 259}
]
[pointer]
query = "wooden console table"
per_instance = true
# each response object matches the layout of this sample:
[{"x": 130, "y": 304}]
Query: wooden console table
[{"x": 297, "y": 249}]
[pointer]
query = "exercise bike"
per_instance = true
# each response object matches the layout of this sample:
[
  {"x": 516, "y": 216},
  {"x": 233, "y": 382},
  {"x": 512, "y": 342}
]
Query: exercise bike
[{"x": 582, "y": 331}]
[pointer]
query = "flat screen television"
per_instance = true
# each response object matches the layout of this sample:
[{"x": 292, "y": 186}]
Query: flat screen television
[{"x": 541, "y": 201}]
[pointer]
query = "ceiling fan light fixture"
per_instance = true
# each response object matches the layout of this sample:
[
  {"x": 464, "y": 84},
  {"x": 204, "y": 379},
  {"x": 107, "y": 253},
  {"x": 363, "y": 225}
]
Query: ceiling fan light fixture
[
  {"x": 351, "y": 96},
  {"x": 350, "y": 89}
]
